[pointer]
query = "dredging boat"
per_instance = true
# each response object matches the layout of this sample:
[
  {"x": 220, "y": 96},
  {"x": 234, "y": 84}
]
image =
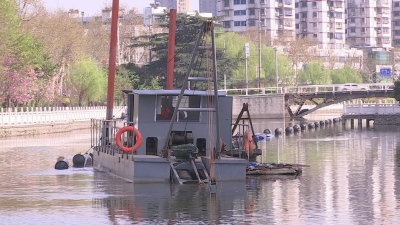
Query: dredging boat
[{"x": 172, "y": 135}]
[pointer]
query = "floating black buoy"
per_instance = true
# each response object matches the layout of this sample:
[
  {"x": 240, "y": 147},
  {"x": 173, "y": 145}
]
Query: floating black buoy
[
  {"x": 326, "y": 122},
  {"x": 322, "y": 123},
  {"x": 79, "y": 160},
  {"x": 311, "y": 125},
  {"x": 330, "y": 121},
  {"x": 303, "y": 126},
  {"x": 335, "y": 120},
  {"x": 267, "y": 131},
  {"x": 61, "y": 164},
  {"x": 278, "y": 131},
  {"x": 289, "y": 130},
  {"x": 296, "y": 127},
  {"x": 316, "y": 124}
]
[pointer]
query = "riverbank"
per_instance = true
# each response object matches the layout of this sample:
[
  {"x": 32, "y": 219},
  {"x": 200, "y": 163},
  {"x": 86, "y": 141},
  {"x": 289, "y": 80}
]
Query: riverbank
[{"x": 36, "y": 129}]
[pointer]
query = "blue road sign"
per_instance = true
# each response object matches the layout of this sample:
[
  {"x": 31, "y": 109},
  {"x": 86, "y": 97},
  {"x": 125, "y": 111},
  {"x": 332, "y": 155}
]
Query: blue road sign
[{"x": 385, "y": 72}]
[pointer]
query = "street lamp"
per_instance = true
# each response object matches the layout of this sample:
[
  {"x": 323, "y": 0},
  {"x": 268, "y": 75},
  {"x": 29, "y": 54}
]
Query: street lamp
[{"x": 276, "y": 67}]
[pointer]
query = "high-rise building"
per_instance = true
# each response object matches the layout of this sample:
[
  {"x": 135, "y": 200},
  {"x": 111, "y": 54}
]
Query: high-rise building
[
  {"x": 396, "y": 23},
  {"x": 208, "y": 6},
  {"x": 323, "y": 21},
  {"x": 179, "y": 5},
  {"x": 276, "y": 18},
  {"x": 369, "y": 23}
]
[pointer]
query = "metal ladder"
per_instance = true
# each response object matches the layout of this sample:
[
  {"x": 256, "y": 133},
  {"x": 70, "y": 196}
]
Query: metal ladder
[{"x": 208, "y": 26}]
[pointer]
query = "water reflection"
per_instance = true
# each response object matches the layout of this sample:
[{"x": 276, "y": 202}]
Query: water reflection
[{"x": 353, "y": 178}]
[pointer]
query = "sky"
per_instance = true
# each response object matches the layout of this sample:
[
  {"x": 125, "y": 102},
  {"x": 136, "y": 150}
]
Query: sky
[{"x": 93, "y": 7}]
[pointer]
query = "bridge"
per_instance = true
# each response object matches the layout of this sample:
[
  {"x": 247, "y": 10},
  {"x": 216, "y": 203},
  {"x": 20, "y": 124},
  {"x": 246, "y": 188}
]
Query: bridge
[{"x": 319, "y": 95}]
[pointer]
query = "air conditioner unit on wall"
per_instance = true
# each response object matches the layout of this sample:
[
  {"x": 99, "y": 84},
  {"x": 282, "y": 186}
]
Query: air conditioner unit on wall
[
  {"x": 303, "y": 19},
  {"x": 305, "y": 30},
  {"x": 331, "y": 8},
  {"x": 378, "y": 31}
]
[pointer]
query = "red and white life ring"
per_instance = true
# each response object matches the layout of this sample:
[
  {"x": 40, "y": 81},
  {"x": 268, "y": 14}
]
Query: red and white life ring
[
  {"x": 248, "y": 143},
  {"x": 135, "y": 132}
]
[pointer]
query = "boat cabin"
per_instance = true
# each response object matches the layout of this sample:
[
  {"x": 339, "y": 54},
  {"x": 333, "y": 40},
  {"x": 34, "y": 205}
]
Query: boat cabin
[{"x": 150, "y": 111}]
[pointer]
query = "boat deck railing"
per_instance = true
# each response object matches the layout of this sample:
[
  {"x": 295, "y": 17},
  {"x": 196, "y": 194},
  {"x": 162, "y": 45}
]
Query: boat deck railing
[{"x": 103, "y": 133}]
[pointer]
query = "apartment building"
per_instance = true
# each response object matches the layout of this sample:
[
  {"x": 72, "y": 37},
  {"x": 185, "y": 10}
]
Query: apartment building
[
  {"x": 208, "y": 6},
  {"x": 396, "y": 23},
  {"x": 322, "y": 21},
  {"x": 369, "y": 23},
  {"x": 179, "y": 5},
  {"x": 274, "y": 17}
]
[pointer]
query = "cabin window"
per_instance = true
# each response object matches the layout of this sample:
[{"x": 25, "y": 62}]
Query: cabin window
[
  {"x": 151, "y": 145},
  {"x": 165, "y": 107},
  {"x": 201, "y": 144}
]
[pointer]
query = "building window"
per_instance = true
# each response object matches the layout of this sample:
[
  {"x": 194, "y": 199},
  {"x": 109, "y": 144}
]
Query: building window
[
  {"x": 363, "y": 30},
  {"x": 396, "y": 13},
  {"x": 288, "y": 2},
  {"x": 239, "y": 12},
  {"x": 297, "y": 26},
  {"x": 227, "y": 24},
  {"x": 338, "y": 4},
  {"x": 239, "y": 2},
  {"x": 251, "y": 1},
  {"x": 296, "y": 5},
  {"x": 362, "y": 20},
  {"x": 288, "y": 11},
  {"x": 314, "y": 4},
  {"x": 296, "y": 16},
  {"x": 226, "y": 3},
  {"x": 239, "y": 23},
  {"x": 303, "y": 15},
  {"x": 303, "y": 4},
  {"x": 226, "y": 12},
  {"x": 315, "y": 35},
  {"x": 252, "y": 23},
  {"x": 397, "y": 32},
  {"x": 338, "y": 14},
  {"x": 262, "y": 11},
  {"x": 396, "y": 4},
  {"x": 252, "y": 11},
  {"x": 385, "y": 30},
  {"x": 352, "y": 30},
  {"x": 397, "y": 23},
  {"x": 315, "y": 25},
  {"x": 315, "y": 15},
  {"x": 338, "y": 35},
  {"x": 352, "y": 20},
  {"x": 288, "y": 23},
  {"x": 338, "y": 24},
  {"x": 386, "y": 40},
  {"x": 385, "y": 20}
]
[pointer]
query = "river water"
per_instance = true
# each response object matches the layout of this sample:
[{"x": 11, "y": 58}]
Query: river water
[{"x": 353, "y": 178}]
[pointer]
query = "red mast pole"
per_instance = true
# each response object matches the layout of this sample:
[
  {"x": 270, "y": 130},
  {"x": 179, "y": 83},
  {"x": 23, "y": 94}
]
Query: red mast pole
[
  {"x": 171, "y": 49},
  {"x": 112, "y": 59}
]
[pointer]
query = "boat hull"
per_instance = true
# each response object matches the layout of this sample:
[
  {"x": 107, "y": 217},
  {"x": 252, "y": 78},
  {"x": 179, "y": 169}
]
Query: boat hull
[{"x": 134, "y": 168}]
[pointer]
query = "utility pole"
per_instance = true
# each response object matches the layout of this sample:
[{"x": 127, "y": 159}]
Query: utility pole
[
  {"x": 150, "y": 22},
  {"x": 247, "y": 54},
  {"x": 276, "y": 67},
  {"x": 259, "y": 47}
]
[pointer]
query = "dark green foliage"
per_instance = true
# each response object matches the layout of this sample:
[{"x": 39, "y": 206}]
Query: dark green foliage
[
  {"x": 187, "y": 32},
  {"x": 396, "y": 90}
]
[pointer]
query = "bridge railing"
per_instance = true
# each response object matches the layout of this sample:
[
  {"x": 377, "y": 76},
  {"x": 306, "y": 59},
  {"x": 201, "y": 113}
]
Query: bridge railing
[
  {"x": 371, "y": 108},
  {"x": 334, "y": 87},
  {"x": 254, "y": 91},
  {"x": 42, "y": 115},
  {"x": 304, "y": 89}
]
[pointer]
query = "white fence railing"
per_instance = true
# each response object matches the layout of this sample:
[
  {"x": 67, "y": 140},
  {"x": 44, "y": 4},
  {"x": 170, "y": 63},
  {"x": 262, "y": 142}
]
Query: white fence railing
[
  {"x": 371, "y": 108},
  {"x": 42, "y": 115},
  {"x": 305, "y": 89}
]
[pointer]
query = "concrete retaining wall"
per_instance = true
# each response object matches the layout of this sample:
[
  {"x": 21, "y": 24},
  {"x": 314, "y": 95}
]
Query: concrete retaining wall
[
  {"x": 270, "y": 106},
  {"x": 387, "y": 120}
]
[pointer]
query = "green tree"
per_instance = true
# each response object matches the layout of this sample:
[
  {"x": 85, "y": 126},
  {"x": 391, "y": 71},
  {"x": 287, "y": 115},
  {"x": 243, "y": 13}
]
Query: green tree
[
  {"x": 86, "y": 81},
  {"x": 313, "y": 74},
  {"x": 186, "y": 35},
  {"x": 345, "y": 75},
  {"x": 396, "y": 90}
]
